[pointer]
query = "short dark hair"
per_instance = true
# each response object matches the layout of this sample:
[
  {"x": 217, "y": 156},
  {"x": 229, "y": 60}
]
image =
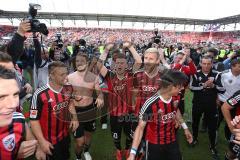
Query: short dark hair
[
  {"x": 6, "y": 73},
  {"x": 4, "y": 57},
  {"x": 213, "y": 50},
  {"x": 122, "y": 56},
  {"x": 207, "y": 57},
  {"x": 3, "y": 48},
  {"x": 55, "y": 64},
  {"x": 173, "y": 77},
  {"x": 82, "y": 54},
  {"x": 116, "y": 51},
  {"x": 235, "y": 61},
  {"x": 115, "y": 54}
]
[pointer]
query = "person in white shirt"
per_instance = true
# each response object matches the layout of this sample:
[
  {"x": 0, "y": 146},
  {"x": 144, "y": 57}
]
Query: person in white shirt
[{"x": 230, "y": 80}]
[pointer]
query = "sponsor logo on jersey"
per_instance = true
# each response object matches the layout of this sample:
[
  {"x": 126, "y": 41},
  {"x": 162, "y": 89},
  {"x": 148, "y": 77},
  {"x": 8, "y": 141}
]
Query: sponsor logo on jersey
[
  {"x": 9, "y": 142},
  {"x": 149, "y": 89},
  {"x": 60, "y": 106},
  {"x": 167, "y": 118},
  {"x": 119, "y": 87}
]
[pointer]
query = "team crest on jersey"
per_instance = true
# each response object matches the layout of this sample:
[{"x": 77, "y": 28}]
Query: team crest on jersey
[
  {"x": 33, "y": 113},
  {"x": 9, "y": 142},
  {"x": 200, "y": 78},
  {"x": 233, "y": 101},
  {"x": 230, "y": 81},
  {"x": 175, "y": 103}
]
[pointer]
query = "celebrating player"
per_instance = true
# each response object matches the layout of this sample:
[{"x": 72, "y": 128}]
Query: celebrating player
[
  {"x": 119, "y": 87},
  {"x": 49, "y": 114},
  {"x": 158, "y": 116},
  {"x": 13, "y": 130},
  {"x": 84, "y": 84}
]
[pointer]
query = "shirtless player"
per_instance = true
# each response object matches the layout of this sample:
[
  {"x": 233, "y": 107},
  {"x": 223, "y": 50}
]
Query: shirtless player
[{"x": 84, "y": 84}]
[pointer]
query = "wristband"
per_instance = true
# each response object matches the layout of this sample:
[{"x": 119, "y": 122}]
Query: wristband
[
  {"x": 184, "y": 126},
  {"x": 133, "y": 151}
]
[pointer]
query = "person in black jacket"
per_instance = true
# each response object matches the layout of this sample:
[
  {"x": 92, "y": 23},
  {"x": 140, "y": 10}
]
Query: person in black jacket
[
  {"x": 15, "y": 46},
  {"x": 206, "y": 84}
]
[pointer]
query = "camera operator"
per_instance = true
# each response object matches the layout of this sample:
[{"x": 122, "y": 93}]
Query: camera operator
[
  {"x": 41, "y": 62},
  {"x": 15, "y": 46},
  {"x": 80, "y": 45},
  {"x": 58, "y": 53}
]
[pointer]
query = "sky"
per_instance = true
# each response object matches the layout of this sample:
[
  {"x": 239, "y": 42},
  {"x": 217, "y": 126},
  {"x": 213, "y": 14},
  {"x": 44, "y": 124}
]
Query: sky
[{"x": 198, "y": 9}]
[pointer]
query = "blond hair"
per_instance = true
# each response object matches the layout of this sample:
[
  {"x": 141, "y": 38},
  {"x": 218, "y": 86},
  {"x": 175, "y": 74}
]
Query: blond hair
[{"x": 152, "y": 50}]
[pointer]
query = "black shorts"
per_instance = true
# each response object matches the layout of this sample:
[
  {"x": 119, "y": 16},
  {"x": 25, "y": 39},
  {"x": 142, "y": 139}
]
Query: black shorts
[
  {"x": 163, "y": 152},
  {"x": 61, "y": 150},
  {"x": 87, "y": 120},
  {"x": 234, "y": 148},
  {"x": 119, "y": 123}
]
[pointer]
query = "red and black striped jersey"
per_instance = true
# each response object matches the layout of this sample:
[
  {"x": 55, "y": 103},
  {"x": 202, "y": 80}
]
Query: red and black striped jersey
[
  {"x": 11, "y": 137},
  {"x": 146, "y": 87},
  {"x": 234, "y": 102},
  {"x": 120, "y": 93},
  {"x": 51, "y": 108},
  {"x": 189, "y": 69},
  {"x": 160, "y": 116}
]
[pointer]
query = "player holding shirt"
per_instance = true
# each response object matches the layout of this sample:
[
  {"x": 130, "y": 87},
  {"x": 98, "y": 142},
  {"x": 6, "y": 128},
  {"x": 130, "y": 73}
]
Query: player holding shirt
[
  {"x": 50, "y": 114},
  {"x": 120, "y": 99},
  {"x": 159, "y": 116},
  {"x": 13, "y": 130}
]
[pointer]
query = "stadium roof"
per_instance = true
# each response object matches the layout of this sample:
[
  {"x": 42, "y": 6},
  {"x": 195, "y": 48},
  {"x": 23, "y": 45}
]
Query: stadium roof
[
  {"x": 105, "y": 17},
  {"x": 194, "y": 9},
  {"x": 147, "y": 12},
  {"x": 123, "y": 18}
]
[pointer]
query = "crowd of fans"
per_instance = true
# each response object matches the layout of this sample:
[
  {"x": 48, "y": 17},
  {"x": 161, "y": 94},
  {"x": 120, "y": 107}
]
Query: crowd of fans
[{"x": 138, "y": 77}]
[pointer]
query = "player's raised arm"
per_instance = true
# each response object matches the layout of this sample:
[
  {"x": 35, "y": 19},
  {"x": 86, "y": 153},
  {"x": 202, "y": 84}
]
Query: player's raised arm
[
  {"x": 137, "y": 58},
  {"x": 100, "y": 64}
]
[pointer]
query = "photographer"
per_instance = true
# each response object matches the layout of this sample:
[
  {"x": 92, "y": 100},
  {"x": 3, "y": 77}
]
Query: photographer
[
  {"x": 58, "y": 53},
  {"x": 41, "y": 62},
  {"x": 15, "y": 46},
  {"x": 80, "y": 45}
]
